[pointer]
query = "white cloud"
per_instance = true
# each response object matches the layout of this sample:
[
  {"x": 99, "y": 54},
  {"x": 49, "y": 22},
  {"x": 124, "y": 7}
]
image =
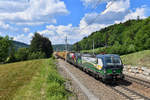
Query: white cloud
[
  {"x": 6, "y": 26},
  {"x": 87, "y": 25},
  {"x": 12, "y": 6},
  {"x": 94, "y": 3},
  {"x": 115, "y": 10},
  {"x": 30, "y": 35},
  {"x": 23, "y": 38},
  {"x": 26, "y": 29},
  {"x": 138, "y": 12},
  {"x": 57, "y": 34},
  {"x": 3, "y": 25},
  {"x": 107, "y": 18},
  {"x": 117, "y": 6},
  {"x": 91, "y": 28},
  {"x": 92, "y": 22},
  {"x": 118, "y": 11},
  {"x": 36, "y": 11}
]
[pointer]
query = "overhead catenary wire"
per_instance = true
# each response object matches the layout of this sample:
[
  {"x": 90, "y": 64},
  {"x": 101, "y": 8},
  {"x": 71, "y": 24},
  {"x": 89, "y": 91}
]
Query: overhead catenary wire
[{"x": 92, "y": 21}]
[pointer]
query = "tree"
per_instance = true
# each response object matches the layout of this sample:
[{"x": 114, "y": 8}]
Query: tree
[
  {"x": 5, "y": 44},
  {"x": 123, "y": 38},
  {"x": 41, "y": 44},
  {"x": 22, "y": 54},
  {"x": 11, "y": 57}
]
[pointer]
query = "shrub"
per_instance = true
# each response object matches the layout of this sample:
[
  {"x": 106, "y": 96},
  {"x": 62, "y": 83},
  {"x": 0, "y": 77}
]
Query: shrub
[
  {"x": 36, "y": 55},
  {"x": 22, "y": 54}
]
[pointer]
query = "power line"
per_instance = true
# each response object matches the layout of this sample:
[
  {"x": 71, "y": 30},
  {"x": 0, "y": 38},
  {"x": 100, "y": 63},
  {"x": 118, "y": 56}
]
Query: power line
[{"x": 92, "y": 21}]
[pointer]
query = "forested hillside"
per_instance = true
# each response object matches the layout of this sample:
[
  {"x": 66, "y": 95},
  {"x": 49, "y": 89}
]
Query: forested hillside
[
  {"x": 123, "y": 38},
  {"x": 20, "y": 45},
  {"x": 62, "y": 47}
]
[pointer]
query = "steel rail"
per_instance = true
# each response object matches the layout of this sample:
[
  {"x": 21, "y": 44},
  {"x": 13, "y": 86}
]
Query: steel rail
[{"x": 137, "y": 80}]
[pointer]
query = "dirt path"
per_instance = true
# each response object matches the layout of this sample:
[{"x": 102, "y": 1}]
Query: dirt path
[{"x": 85, "y": 86}]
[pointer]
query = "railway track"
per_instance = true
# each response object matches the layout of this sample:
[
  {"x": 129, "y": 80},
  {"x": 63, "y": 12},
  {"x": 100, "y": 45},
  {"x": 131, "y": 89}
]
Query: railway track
[
  {"x": 144, "y": 83},
  {"x": 128, "y": 93}
]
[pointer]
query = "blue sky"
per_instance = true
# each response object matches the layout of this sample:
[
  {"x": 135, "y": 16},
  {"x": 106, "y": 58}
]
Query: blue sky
[{"x": 57, "y": 18}]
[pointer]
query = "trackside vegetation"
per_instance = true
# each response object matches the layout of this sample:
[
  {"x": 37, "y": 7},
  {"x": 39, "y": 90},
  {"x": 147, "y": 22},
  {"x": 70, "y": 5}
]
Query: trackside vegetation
[
  {"x": 123, "y": 38},
  {"x": 39, "y": 48},
  {"x": 32, "y": 80},
  {"x": 141, "y": 58},
  {"x": 5, "y": 44}
]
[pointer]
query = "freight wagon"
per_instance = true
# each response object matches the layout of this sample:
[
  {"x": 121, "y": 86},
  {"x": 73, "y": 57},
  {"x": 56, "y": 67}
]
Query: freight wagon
[
  {"x": 107, "y": 67},
  {"x": 61, "y": 55}
]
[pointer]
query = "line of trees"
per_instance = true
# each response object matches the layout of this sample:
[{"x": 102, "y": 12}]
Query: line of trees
[
  {"x": 40, "y": 48},
  {"x": 123, "y": 38}
]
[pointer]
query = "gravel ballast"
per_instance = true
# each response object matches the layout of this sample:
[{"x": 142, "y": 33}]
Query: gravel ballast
[{"x": 97, "y": 88}]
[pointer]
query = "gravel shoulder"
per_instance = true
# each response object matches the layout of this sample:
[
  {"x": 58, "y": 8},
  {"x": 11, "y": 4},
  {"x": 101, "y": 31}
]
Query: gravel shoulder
[
  {"x": 95, "y": 87},
  {"x": 140, "y": 89}
]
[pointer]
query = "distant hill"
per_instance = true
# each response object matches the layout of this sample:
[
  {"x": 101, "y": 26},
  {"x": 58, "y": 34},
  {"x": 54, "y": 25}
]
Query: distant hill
[
  {"x": 122, "y": 38},
  {"x": 18, "y": 45},
  {"x": 57, "y": 47},
  {"x": 62, "y": 47}
]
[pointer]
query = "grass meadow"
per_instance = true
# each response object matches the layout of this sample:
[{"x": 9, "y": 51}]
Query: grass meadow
[
  {"x": 141, "y": 58},
  {"x": 32, "y": 80}
]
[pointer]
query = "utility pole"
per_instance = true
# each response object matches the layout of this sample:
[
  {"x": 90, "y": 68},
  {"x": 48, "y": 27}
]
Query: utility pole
[
  {"x": 66, "y": 47},
  {"x": 66, "y": 42},
  {"x": 138, "y": 17},
  {"x": 93, "y": 47}
]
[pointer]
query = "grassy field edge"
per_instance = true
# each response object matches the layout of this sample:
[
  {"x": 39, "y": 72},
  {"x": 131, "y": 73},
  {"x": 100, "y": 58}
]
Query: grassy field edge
[
  {"x": 47, "y": 84},
  {"x": 32, "y": 80},
  {"x": 141, "y": 58}
]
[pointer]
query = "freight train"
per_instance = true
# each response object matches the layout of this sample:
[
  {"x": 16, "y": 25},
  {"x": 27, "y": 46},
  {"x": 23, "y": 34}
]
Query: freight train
[{"x": 107, "y": 67}]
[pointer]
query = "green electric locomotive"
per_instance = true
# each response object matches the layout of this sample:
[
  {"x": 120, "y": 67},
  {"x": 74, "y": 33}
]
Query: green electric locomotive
[{"x": 108, "y": 67}]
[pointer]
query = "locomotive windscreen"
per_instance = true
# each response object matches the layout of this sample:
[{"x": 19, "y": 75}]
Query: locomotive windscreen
[{"x": 113, "y": 61}]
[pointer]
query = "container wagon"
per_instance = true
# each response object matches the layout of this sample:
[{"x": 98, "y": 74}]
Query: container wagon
[{"x": 61, "y": 55}]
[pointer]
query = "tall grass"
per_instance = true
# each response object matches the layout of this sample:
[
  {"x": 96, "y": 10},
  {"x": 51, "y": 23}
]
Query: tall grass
[
  {"x": 141, "y": 58},
  {"x": 32, "y": 80}
]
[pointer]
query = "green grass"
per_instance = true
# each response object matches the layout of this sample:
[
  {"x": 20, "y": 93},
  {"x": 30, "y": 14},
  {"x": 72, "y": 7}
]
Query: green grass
[
  {"x": 31, "y": 80},
  {"x": 141, "y": 58}
]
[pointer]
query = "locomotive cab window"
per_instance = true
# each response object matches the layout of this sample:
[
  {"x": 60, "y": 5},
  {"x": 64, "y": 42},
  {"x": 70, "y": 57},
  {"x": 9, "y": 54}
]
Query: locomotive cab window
[{"x": 113, "y": 61}]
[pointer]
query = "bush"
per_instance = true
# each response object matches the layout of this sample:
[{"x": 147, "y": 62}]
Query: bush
[
  {"x": 22, "y": 54},
  {"x": 36, "y": 55},
  {"x": 10, "y": 59}
]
